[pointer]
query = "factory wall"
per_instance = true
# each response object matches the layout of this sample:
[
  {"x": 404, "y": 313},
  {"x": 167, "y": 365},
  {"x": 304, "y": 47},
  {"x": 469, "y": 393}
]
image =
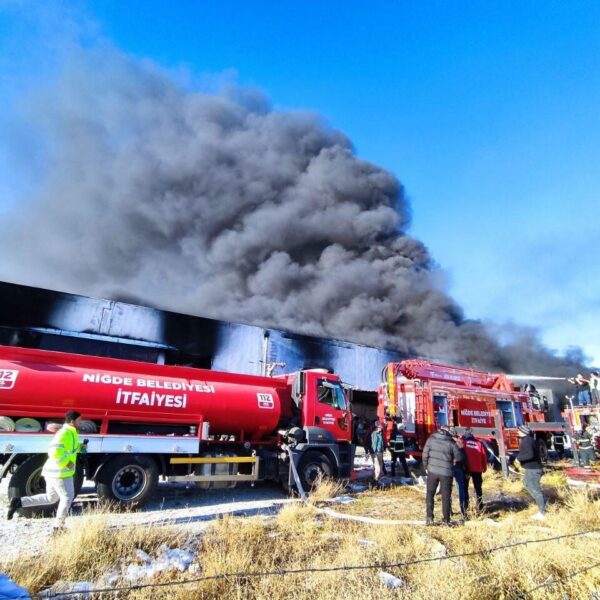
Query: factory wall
[{"x": 46, "y": 319}]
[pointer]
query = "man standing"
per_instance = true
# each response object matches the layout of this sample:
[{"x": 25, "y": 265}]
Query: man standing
[
  {"x": 439, "y": 457},
  {"x": 595, "y": 387},
  {"x": 529, "y": 457},
  {"x": 377, "y": 449},
  {"x": 476, "y": 465},
  {"x": 460, "y": 474},
  {"x": 585, "y": 447},
  {"x": 583, "y": 389},
  {"x": 398, "y": 450},
  {"x": 58, "y": 471}
]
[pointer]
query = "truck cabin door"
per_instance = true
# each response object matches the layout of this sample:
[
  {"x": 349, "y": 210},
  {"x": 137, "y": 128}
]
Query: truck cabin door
[
  {"x": 440, "y": 409},
  {"x": 327, "y": 406},
  {"x": 518, "y": 413},
  {"x": 506, "y": 408}
]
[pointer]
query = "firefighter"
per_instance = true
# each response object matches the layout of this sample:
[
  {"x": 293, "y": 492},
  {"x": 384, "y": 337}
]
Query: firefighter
[
  {"x": 389, "y": 427},
  {"x": 377, "y": 449},
  {"x": 58, "y": 471},
  {"x": 558, "y": 441},
  {"x": 477, "y": 461},
  {"x": 439, "y": 456},
  {"x": 529, "y": 458},
  {"x": 398, "y": 450},
  {"x": 585, "y": 447}
]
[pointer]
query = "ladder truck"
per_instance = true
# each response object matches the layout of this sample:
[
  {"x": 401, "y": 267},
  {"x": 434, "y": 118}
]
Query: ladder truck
[{"x": 428, "y": 395}]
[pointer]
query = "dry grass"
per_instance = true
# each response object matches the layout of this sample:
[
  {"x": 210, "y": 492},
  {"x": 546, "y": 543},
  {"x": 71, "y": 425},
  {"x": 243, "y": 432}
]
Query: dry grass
[
  {"x": 88, "y": 551},
  {"x": 325, "y": 489},
  {"x": 300, "y": 537}
]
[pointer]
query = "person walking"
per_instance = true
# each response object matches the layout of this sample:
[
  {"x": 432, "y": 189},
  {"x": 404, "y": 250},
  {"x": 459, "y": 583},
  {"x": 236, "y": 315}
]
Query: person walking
[
  {"x": 529, "y": 458},
  {"x": 477, "y": 462},
  {"x": 585, "y": 447},
  {"x": 58, "y": 471},
  {"x": 398, "y": 450},
  {"x": 377, "y": 449},
  {"x": 439, "y": 456}
]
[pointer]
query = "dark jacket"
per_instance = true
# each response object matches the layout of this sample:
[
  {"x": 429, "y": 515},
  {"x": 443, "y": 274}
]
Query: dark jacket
[
  {"x": 584, "y": 441},
  {"x": 440, "y": 453},
  {"x": 397, "y": 445},
  {"x": 529, "y": 453}
]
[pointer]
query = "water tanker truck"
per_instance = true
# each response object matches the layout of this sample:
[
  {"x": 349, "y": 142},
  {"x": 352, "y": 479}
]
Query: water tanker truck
[{"x": 147, "y": 422}]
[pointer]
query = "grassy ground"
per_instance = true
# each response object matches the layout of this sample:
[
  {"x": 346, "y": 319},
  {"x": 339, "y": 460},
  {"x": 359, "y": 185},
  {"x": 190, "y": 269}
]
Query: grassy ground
[{"x": 302, "y": 537}]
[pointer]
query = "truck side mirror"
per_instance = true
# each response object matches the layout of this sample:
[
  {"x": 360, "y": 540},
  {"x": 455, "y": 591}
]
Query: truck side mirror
[{"x": 298, "y": 389}]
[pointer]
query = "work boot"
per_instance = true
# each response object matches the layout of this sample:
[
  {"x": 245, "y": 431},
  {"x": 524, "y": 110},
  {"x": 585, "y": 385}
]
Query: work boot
[
  {"x": 13, "y": 506},
  {"x": 57, "y": 530}
]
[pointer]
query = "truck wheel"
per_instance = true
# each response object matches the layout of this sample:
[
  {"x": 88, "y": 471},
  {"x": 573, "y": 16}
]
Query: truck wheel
[
  {"x": 27, "y": 480},
  {"x": 313, "y": 466},
  {"x": 127, "y": 480}
]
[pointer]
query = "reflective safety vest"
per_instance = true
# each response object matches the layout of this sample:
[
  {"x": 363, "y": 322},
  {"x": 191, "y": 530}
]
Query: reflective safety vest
[
  {"x": 62, "y": 453},
  {"x": 397, "y": 444},
  {"x": 584, "y": 441}
]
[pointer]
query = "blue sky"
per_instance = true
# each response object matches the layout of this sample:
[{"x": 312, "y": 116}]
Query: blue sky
[{"x": 488, "y": 112}]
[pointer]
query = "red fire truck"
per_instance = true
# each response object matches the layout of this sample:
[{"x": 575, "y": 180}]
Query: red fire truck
[
  {"x": 148, "y": 421},
  {"x": 428, "y": 395}
]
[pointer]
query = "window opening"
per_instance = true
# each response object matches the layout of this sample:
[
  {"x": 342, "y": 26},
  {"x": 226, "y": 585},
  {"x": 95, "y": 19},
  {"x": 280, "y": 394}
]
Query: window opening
[{"x": 331, "y": 394}]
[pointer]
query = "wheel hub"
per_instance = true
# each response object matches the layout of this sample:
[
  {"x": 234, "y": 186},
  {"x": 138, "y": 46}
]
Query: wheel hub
[
  {"x": 312, "y": 473},
  {"x": 35, "y": 484},
  {"x": 129, "y": 482}
]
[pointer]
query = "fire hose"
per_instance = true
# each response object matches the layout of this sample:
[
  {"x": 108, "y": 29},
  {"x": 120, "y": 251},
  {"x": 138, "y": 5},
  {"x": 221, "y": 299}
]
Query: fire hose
[{"x": 337, "y": 515}]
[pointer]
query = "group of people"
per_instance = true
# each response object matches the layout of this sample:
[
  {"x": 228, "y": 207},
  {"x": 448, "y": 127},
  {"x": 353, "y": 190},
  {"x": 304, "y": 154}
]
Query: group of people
[
  {"x": 377, "y": 442},
  {"x": 587, "y": 390},
  {"x": 449, "y": 457}
]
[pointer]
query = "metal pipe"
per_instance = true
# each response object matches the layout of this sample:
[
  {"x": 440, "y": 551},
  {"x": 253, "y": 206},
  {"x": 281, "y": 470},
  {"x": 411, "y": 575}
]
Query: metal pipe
[{"x": 538, "y": 377}]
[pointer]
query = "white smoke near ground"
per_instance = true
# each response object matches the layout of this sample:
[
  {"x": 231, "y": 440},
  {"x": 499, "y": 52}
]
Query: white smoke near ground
[{"x": 217, "y": 205}]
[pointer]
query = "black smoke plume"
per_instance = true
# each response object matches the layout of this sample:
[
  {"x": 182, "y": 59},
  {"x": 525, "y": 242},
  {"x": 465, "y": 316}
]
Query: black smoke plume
[{"x": 217, "y": 205}]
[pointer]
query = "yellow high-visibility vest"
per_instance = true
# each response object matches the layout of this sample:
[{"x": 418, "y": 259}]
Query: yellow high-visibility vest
[{"x": 62, "y": 453}]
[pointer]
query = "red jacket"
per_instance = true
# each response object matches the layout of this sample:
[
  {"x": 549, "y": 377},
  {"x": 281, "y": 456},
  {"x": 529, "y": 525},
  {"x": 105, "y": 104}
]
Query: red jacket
[{"x": 476, "y": 456}]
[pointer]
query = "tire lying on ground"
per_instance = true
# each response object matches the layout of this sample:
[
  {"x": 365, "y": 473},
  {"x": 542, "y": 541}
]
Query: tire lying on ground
[
  {"x": 127, "y": 481},
  {"x": 27, "y": 480}
]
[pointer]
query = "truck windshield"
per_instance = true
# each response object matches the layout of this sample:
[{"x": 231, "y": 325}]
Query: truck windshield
[{"x": 331, "y": 394}]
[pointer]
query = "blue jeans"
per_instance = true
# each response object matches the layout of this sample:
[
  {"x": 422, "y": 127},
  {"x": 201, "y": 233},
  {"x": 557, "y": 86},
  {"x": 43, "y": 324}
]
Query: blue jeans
[
  {"x": 463, "y": 491},
  {"x": 584, "y": 398}
]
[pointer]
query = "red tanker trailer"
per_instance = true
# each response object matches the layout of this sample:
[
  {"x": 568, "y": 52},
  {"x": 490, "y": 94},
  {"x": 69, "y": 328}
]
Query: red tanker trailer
[{"x": 146, "y": 421}]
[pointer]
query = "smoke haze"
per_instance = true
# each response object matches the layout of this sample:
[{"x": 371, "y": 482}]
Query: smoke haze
[{"x": 217, "y": 205}]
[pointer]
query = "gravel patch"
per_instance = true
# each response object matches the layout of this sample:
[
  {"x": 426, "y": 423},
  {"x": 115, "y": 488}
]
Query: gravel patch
[{"x": 173, "y": 505}]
